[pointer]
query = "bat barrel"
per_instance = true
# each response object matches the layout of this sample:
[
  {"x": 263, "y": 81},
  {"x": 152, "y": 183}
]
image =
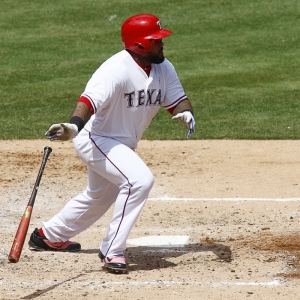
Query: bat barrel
[{"x": 18, "y": 243}]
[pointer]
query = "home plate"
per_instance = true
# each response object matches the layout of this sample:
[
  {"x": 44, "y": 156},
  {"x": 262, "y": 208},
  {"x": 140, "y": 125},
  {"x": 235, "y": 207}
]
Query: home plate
[{"x": 160, "y": 241}]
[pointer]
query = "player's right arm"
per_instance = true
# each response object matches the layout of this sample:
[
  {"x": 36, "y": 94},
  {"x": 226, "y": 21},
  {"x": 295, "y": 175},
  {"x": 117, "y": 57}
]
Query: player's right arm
[
  {"x": 67, "y": 131},
  {"x": 176, "y": 102}
]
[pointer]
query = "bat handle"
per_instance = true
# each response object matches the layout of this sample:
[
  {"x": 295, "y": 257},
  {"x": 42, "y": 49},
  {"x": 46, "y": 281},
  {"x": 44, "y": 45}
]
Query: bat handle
[{"x": 47, "y": 151}]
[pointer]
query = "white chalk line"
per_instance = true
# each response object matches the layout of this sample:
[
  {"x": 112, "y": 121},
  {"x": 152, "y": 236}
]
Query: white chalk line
[
  {"x": 49, "y": 283},
  {"x": 224, "y": 199}
]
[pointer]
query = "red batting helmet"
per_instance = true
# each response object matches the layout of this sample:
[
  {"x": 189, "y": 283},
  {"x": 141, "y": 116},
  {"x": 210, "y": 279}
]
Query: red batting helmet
[{"x": 138, "y": 30}]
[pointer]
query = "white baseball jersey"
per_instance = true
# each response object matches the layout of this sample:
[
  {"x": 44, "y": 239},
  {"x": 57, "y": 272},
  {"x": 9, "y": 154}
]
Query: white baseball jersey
[{"x": 125, "y": 99}]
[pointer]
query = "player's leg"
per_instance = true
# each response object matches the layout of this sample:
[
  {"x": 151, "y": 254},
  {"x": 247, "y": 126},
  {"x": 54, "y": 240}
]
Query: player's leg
[
  {"x": 126, "y": 170},
  {"x": 77, "y": 215},
  {"x": 80, "y": 212},
  {"x": 83, "y": 210}
]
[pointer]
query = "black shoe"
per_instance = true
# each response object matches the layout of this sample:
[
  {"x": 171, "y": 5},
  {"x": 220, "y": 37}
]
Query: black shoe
[
  {"x": 115, "y": 263},
  {"x": 38, "y": 242}
]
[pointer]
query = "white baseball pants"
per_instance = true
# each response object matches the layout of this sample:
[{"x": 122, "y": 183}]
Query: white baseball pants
[{"x": 116, "y": 174}]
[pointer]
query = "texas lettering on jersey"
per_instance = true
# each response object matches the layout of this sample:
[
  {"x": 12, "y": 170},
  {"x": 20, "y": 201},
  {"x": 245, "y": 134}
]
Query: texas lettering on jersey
[{"x": 143, "y": 98}]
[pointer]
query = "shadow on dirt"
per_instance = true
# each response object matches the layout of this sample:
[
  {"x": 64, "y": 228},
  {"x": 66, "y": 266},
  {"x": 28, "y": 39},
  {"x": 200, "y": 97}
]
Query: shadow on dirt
[
  {"x": 149, "y": 258},
  {"x": 39, "y": 293}
]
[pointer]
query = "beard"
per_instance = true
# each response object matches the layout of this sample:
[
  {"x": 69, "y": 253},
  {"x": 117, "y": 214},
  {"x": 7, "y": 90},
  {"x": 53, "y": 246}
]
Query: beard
[{"x": 155, "y": 58}]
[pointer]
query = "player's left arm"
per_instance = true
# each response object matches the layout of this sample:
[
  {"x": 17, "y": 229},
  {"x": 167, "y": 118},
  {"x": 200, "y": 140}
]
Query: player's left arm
[
  {"x": 181, "y": 106},
  {"x": 81, "y": 114},
  {"x": 183, "y": 112}
]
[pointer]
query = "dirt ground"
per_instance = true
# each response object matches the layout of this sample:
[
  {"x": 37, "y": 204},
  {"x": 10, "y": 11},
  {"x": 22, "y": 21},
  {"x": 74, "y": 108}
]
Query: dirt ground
[{"x": 238, "y": 202}]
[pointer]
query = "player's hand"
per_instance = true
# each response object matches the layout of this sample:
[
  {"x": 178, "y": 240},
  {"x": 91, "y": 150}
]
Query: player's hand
[
  {"x": 187, "y": 120},
  {"x": 62, "y": 131}
]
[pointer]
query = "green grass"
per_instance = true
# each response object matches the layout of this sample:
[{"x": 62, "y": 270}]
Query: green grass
[{"x": 238, "y": 62}]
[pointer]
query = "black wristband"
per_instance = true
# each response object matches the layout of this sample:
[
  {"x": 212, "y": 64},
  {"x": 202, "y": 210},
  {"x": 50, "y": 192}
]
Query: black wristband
[{"x": 78, "y": 122}]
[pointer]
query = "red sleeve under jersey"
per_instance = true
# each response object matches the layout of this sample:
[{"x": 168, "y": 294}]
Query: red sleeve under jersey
[
  {"x": 170, "y": 110},
  {"x": 87, "y": 102}
]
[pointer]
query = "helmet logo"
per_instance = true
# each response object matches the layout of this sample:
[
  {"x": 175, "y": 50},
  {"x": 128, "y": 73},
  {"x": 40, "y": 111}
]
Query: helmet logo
[{"x": 158, "y": 23}]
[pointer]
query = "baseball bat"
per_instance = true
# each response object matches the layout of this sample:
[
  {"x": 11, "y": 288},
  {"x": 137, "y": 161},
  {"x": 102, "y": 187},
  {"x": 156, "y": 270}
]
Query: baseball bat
[{"x": 17, "y": 246}]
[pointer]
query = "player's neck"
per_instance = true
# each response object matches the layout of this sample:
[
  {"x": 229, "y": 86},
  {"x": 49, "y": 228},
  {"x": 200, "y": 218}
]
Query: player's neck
[
  {"x": 146, "y": 69},
  {"x": 142, "y": 62}
]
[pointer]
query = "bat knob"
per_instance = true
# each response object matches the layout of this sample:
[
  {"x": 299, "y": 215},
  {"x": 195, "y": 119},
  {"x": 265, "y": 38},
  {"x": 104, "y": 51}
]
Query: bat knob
[{"x": 48, "y": 149}]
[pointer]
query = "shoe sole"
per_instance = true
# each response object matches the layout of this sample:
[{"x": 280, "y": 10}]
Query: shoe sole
[
  {"x": 33, "y": 246},
  {"x": 114, "y": 270}
]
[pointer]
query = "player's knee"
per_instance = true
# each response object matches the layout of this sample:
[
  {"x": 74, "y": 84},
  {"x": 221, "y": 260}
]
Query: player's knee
[
  {"x": 91, "y": 195},
  {"x": 148, "y": 183},
  {"x": 144, "y": 183}
]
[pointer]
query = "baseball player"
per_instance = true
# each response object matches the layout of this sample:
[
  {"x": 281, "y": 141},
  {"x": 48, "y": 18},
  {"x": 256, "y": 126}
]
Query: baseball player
[{"x": 119, "y": 102}]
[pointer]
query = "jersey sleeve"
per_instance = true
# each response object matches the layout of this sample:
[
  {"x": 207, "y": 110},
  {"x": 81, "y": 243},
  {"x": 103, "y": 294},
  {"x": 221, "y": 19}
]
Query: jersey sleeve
[
  {"x": 100, "y": 89},
  {"x": 174, "y": 90}
]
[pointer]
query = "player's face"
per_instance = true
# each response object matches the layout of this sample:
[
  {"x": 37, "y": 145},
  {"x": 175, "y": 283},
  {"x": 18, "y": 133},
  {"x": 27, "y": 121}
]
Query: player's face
[{"x": 156, "y": 56}]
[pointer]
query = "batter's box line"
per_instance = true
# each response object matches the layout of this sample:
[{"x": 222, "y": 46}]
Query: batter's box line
[
  {"x": 52, "y": 284},
  {"x": 225, "y": 199}
]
